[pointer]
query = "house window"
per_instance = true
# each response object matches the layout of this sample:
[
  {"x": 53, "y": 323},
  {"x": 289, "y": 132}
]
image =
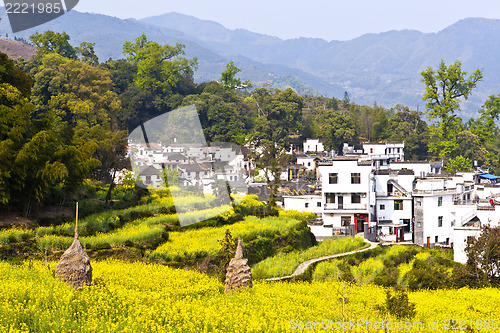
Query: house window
[
  {"x": 345, "y": 221},
  {"x": 371, "y": 150},
  {"x": 355, "y": 178},
  {"x": 389, "y": 188},
  {"x": 318, "y": 204},
  {"x": 333, "y": 178},
  {"x": 440, "y": 201},
  {"x": 355, "y": 198},
  {"x": 330, "y": 197},
  {"x": 148, "y": 179},
  {"x": 307, "y": 205},
  {"x": 382, "y": 207},
  {"x": 440, "y": 221},
  {"x": 308, "y": 163},
  {"x": 398, "y": 204}
]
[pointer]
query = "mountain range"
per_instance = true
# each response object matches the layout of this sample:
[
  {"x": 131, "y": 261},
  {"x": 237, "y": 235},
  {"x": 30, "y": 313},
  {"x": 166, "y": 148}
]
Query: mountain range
[{"x": 383, "y": 68}]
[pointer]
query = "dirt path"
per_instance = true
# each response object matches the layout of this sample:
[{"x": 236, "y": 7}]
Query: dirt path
[{"x": 303, "y": 266}]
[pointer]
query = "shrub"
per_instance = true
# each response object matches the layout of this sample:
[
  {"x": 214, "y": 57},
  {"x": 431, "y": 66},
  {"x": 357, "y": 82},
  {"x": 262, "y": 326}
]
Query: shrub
[
  {"x": 101, "y": 246},
  {"x": 398, "y": 305}
]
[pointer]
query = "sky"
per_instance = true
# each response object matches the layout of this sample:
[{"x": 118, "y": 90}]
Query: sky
[{"x": 327, "y": 19}]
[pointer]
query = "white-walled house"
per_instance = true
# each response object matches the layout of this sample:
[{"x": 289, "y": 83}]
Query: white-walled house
[
  {"x": 345, "y": 192},
  {"x": 433, "y": 207},
  {"x": 150, "y": 176},
  {"x": 393, "y": 209},
  {"x": 313, "y": 146},
  {"x": 304, "y": 203},
  {"x": 393, "y": 151},
  {"x": 307, "y": 161}
]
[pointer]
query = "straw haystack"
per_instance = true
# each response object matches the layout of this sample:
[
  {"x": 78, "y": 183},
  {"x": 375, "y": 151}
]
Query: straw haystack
[
  {"x": 239, "y": 275},
  {"x": 74, "y": 267}
]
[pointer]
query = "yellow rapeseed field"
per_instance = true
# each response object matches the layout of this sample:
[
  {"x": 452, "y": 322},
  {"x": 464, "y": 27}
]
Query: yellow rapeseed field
[{"x": 138, "y": 297}]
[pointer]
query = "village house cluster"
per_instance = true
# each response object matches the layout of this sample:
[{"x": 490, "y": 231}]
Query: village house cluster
[
  {"x": 196, "y": 165},
  {"x": 371, "y": 189}
]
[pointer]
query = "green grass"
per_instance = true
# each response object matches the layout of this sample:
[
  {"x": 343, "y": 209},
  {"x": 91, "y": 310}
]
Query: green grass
[{"x": 284, "y": 264}]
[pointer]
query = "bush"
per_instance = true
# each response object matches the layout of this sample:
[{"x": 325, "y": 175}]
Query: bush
[
  {"x": 101, "y": 246},
  {"x": 398, "y": 305},
  {"x": 431, "y": 273}
]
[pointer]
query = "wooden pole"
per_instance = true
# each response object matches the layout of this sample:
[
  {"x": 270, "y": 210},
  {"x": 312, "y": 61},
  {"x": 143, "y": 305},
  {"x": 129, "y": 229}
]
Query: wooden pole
[{"x": 76, "y": 223}]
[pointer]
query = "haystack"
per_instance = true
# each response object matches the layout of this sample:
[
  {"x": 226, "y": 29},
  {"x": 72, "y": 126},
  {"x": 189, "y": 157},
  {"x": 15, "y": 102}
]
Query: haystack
[
  {"x": 239, "y": 275},
  {"x": 74, "y": 267}
]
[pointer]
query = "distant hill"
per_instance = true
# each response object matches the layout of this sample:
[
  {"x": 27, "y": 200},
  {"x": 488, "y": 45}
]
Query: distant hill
[
  {"x": 383, "y": 68},
  {"x": 16, "y": 49}
]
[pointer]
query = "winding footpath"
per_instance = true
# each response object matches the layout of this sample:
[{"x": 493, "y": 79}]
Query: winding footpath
[{"x": 303, "y": 266}]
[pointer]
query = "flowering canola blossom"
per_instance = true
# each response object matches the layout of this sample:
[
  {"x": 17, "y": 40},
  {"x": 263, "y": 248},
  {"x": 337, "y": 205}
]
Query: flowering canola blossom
[{"x": 139, "y": 297}]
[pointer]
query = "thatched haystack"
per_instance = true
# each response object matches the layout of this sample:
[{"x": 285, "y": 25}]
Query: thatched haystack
[
  {"x": 74, "y": 267},
  {"x": 239, "y": 275}
]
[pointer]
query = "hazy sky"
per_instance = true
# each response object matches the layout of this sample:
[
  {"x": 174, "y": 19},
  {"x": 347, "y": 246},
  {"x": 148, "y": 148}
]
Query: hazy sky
[{"x": 327, "y": 19}]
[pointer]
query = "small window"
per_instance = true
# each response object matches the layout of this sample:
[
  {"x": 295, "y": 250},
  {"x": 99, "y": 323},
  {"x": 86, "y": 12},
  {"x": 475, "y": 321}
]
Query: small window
[
  {"x": 333, "y": 178},
  {"x": 307, "y": 204},
  {"x": 318, "y": 204},
  {"x": 308, "y": 163},
  {"x": 355, "y": 178},
  {"x": 440, "y": 221},
  {"x": 330, "y": 197},
  {"x": 355, "y": 198},
  {"x": 345, "y": 221},
  {"x": 371, "y": 150},
  {"x": 382, "y": 207},
  {"x": 398, "y": 204},
  {"x": 440, "y": 201}
]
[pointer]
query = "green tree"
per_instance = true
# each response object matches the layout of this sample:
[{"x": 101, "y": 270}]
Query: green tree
[
  {"x": 483, "y": 257},
  {"x": 159, "y": 68},
  {"x": 53, "y": 42},
  {"x": 280, "y": 115},
  {"x": 407, "y": 126},
  {"x": 459, "y": 163},
  {"x": 346, "y": 101},
  {"x": 337, "y": 128},
  {"x": 229, "y": 80},
  {"x": 444, "y": 89},
  {"x": 15, "y": 113},
  {"x": 14, "y": 76},
  {"x": 87, "y": 53},
  {"x": 222, "y": 114}
]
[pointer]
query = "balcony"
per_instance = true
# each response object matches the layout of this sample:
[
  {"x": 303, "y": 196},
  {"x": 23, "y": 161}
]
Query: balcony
[
  {"x": 336, "y": 206},
  {"x": 436, "y": 191}
]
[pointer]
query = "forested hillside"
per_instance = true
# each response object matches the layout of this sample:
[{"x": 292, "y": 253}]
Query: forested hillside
[
  {"x": 66, "y": 115},
  {"x": 383, "y": 68}
]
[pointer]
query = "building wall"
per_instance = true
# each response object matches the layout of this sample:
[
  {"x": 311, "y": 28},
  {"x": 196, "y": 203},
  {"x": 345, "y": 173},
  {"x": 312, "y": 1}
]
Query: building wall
[
  {"x": 300, "y": 202},
  {"x": 344, "y": 170},
  {"x": 313, "y": 145},
  {"x": 389, "y": 213},
  {"x": 431, "y": 213},
  {"x": 460, "y": 236},
  {"x": 418, "y": 214},
  {"x": 307, "y": 162}
]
